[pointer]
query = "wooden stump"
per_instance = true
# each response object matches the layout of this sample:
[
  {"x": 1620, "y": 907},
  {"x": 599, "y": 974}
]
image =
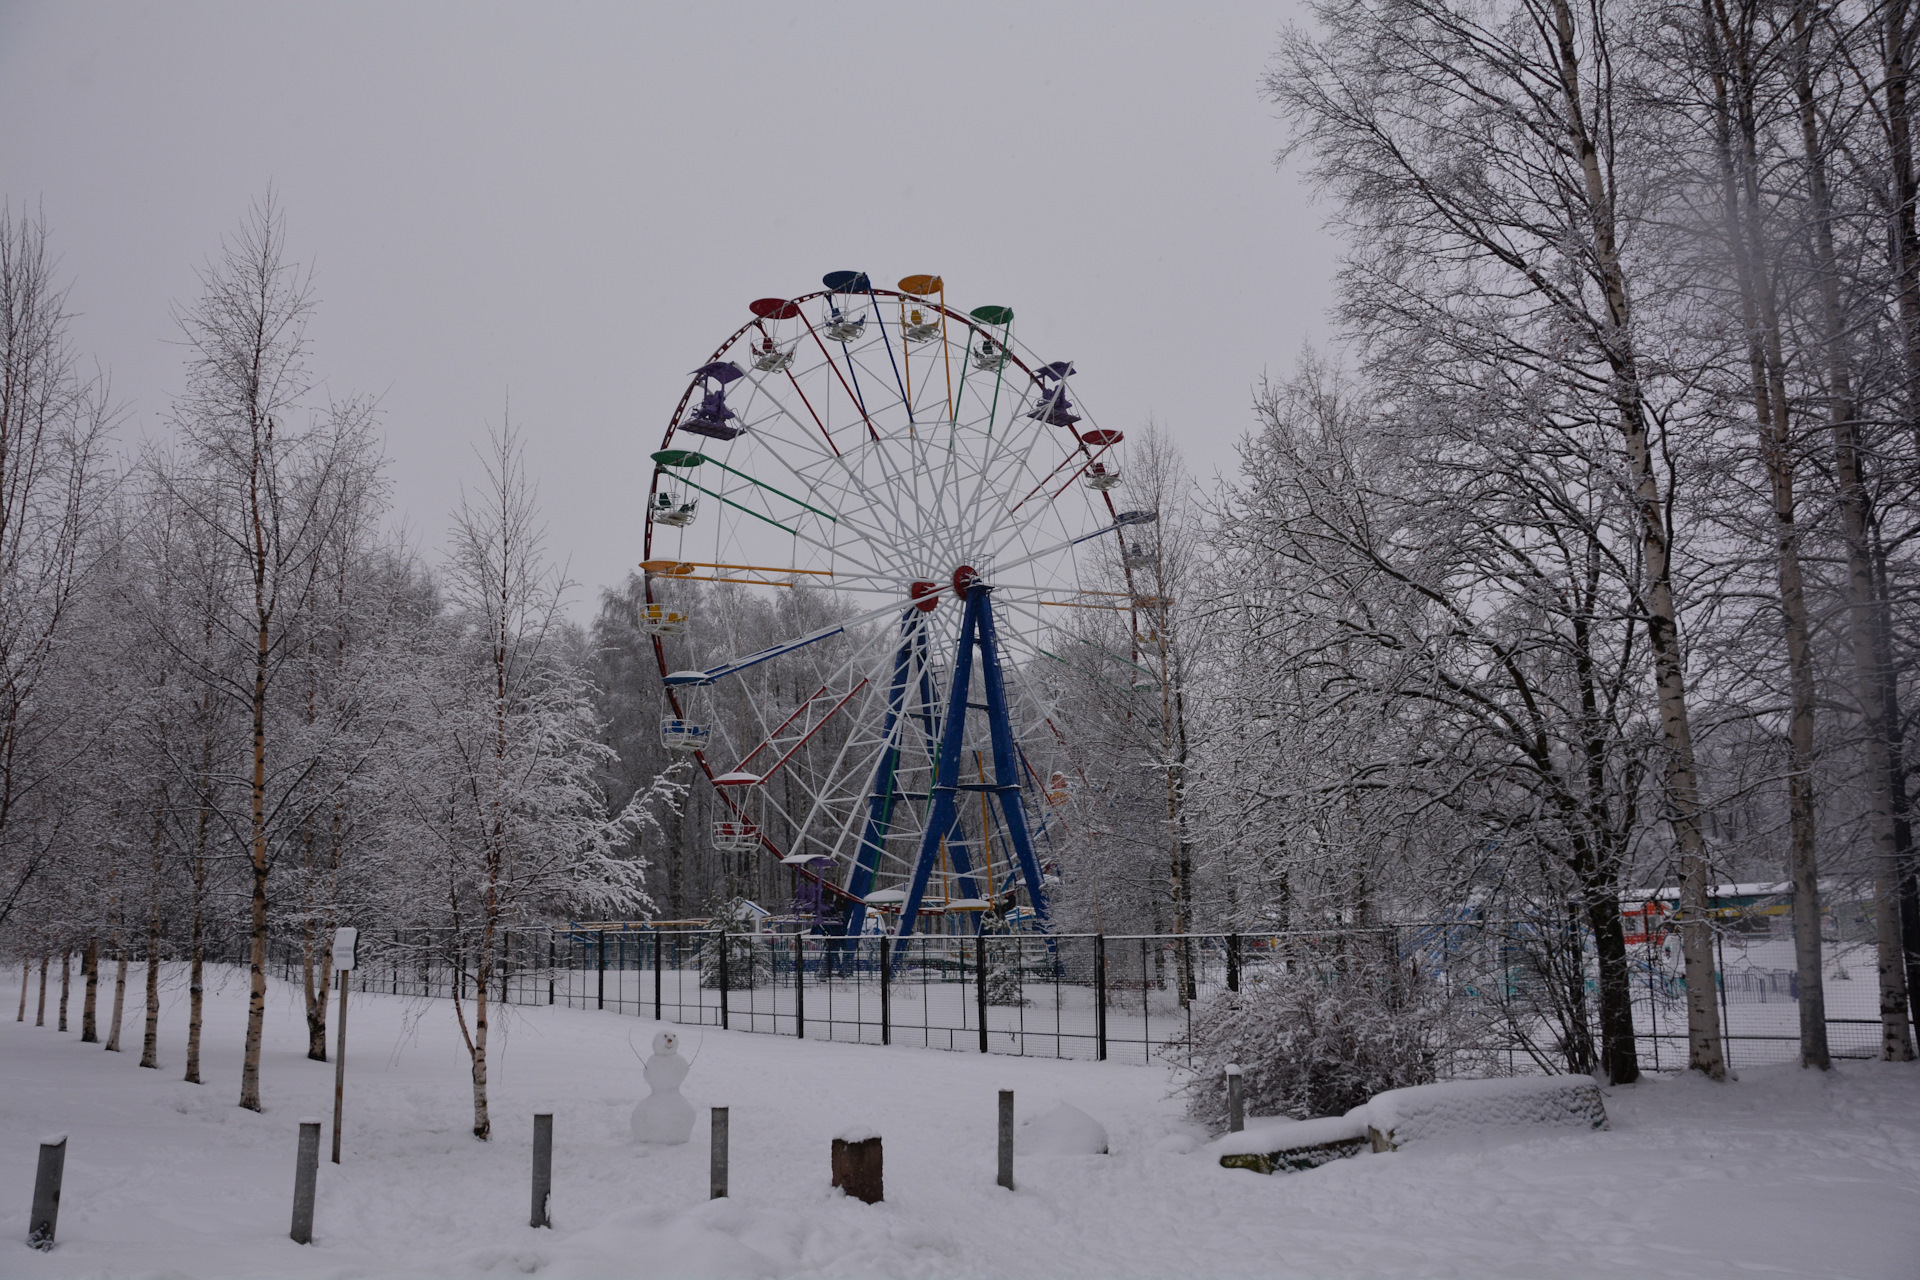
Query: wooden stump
[{"x": 856, "y": 1167}]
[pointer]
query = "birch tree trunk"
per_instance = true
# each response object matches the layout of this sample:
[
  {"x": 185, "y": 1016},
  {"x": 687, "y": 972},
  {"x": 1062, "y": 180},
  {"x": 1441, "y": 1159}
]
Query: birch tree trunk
[
  {"x": 1897, "y": 783},
  {"x": 89, "y": 1024},
  {"x": 1736, "y": 142},
  {"x": 119, "y": 995},
  {"x": 1704, "y": 1049},
  {"x": 257, "y": 799},
  {"x": 150, "y": 1040},
  {"x": 1862, "y": 611},
  {"x": 196, "y": 974},
  {"x": 1897, "y": 55}
]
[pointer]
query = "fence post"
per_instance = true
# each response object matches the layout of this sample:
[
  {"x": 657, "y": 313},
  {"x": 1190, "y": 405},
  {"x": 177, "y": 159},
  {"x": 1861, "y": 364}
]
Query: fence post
[
  {"x": 542, "y": 1168},
  {"x": 1236, "y": 1100},
  {"x": 886, "y": 973},
  {"x": 1720, "y": 980},
  {"x": 553, "y": 959},
  {"x": 1233, "y": 962},
  {"x": 656, "y": 975},
  {"x": 717, "y": 1173},
  {"x": 799, "y": 986},
  {"x": 600, "y": 963},
  {"x": 724, "y": 948},
  {"x": 980, "y": 983},
  {"x": 1100, "y": 997},
  {"x": 46, "y": 1192},
  {"x": 1146, "y": 994},
  {"x": 1006, "y": 1139},
  {"x": 306, "y": 1172}
]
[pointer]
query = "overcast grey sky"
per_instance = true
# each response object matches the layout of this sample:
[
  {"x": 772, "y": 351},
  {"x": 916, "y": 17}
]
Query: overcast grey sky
[{"x": 574, "y": 204}]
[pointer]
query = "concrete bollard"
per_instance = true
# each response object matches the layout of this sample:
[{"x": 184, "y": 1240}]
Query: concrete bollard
[
  {"x": 717, "y": 1175},
  {"x": 857, "y": 1165},
  {"x": 542, "y": 1168},
  {"x": 46, "y": 1192},
  {"x": 306, "y": 1173},
  {"x": 1236, "y": 1101},
  {"x": 1006, "y": 1139}
]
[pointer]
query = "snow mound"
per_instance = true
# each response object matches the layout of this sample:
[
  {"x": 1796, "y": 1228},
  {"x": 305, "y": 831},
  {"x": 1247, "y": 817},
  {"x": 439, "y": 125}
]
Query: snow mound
[
  {"x": 1427, "y": 1111},
  {"x": 1064, "y": 1131}
]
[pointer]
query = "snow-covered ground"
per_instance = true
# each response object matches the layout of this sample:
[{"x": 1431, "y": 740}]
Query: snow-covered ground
[{"x": 1785, "y": 1173}]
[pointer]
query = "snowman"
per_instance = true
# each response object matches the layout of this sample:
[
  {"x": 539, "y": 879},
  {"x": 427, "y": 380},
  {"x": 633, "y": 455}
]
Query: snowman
[{"x": 663, "y": 1116}]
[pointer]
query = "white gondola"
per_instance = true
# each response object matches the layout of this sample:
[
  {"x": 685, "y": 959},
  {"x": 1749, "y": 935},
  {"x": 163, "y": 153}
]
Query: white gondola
[
  {"x": 768, "y": 358},
  {"x": 921, "y": 327},
  {"x": 989, "y": 356},
  {"x": 736, "y": 836},
  {"x": 662, "y": 620},
  {"x": 684, "y": 735},
  {"x": 1137, "y": 557},
  {"x": 843, "y": 326},
  {"x": 674, "y": 509},
  {"x": 1101, "y": 477}
]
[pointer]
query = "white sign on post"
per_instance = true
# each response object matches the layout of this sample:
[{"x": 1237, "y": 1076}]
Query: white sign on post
[{"x": 344, "y": 939}]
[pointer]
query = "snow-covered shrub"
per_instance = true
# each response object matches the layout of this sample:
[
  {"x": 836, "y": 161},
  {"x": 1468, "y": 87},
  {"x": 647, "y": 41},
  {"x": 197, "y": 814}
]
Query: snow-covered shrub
[
  {"x": 749, "y": 954},
  {"x": 1311, "y": 1041}
]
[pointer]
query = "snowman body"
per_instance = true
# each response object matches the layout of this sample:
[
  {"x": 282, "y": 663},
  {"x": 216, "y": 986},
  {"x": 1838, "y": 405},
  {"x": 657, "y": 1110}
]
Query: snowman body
[{"x": 664, "y": 1117}]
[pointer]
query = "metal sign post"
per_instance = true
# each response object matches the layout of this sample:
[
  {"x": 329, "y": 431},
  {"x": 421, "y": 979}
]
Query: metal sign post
[{"x": 343, "y": 944}]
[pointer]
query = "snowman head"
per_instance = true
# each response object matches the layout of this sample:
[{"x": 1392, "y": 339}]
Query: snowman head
[{"x": 666, "y": 1042}]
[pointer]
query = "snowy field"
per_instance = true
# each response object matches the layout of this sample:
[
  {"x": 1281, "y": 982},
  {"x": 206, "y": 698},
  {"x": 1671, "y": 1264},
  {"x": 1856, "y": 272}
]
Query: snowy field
[{"x": 1784, "y": 1174}]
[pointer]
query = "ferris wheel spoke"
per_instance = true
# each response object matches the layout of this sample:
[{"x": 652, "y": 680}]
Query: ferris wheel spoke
[
  {"x": 1006, "y": 515},
  {"x": 837, "y": 456},
  {"x": 882, "y": 498},
  {"x": 851, "y": 393},
  {"x": 874, "y": 300}
]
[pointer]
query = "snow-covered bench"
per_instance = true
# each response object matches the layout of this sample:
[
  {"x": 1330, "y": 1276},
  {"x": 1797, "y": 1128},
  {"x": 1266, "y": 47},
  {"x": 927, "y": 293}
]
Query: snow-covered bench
[
  {"x": 1280, "y": 1144},
  {"x": 1400, "y": 1116}
]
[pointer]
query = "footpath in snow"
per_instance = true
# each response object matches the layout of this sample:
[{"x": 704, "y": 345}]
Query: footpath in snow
[{"x": 1784, "y": 1174}]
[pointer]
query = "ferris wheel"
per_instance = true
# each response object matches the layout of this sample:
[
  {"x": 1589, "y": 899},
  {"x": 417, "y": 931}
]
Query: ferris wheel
[{"x": 920, "y": 497}]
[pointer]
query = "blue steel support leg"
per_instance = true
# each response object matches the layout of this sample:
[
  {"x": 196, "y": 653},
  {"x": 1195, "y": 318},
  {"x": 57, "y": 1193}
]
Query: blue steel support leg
[
  {"x": 957, "y": 837},
  {"x": 881, "y": 799},
  {"x": 941, "y": 813},
  {"x": 1006, "y": 762}
]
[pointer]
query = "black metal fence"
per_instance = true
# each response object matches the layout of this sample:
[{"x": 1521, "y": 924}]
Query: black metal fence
[{"x": 1495, "y": 985}]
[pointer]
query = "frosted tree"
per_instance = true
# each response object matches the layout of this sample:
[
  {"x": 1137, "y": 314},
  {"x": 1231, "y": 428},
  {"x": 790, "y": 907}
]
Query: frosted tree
[
  {"x": 54, "y": 482},
  {"x": 501, "y": 772},
  {"x": 1492, "y": 200},
  {"x": 272, "y": 495}
]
